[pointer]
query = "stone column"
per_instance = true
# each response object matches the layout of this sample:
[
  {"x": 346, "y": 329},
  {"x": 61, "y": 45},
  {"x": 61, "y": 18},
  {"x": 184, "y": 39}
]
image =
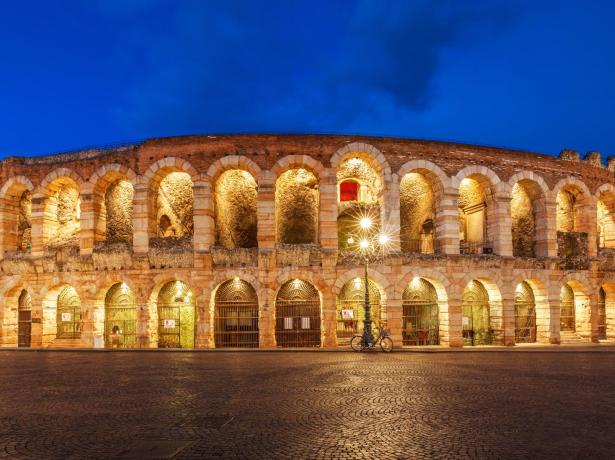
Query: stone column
[
  {"x": 508, "y": 319},
  {"x": 265, "y": 211},
  {"x": 447, "y": 222},
  {"x": 204, "y": 318},
  {"x": 8, "y": 226},
  {"x": 589, "y": 225},
  {"x": 394, "y": 320},
  {"x": 327, "y": 215},
  {"x": 140, "y": 219},
  {"x": 38, "y": 212},
  {"x": 390, "y": 213},
  {"x": 266, "y": 320},
  {"x": 502, "y": 233},
  {"x": 86, "y": 223},
  {"x": 328, "y": 327},
  {"x": 555, "y": 311},
  {"x": 203, "y": 215},
  {"x": 551, "y": 222},
  {"x": 450, "y": 322}
]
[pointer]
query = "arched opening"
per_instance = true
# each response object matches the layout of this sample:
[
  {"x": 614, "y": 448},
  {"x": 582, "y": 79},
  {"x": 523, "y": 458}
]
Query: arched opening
[
  {"x": 417, "y": 206},
  {"x": 359, "y": 192},
  {"x": 525, "y": 314},
  {"x": 572, "y": 227},
  {"x": 24, "y": 321},
  {"x": 476, "y": 316},
  {"x": 607, "y": 297},
  {"x": 606, "y": 220},
  {"x": 351, "y": 308},
  {"x": 420, "y": 323},
  {"x": 120, "y": 317},
  {"x": 527, "y": 208},
  {"x": 172, "y": 204},
  {"x": 297, "y": 315},
  {"x": 235, "y": 209},
  {"x": 62, "y": 215},
  {"x": 297, "y": 207},
  {"x": 567, "y": 309},
  {"x": 176, "y": 316},
  {"x": 476, "y": 217},
  {"x": 113, "y": 208},
  {"x": 601, "y": 313},
  {"x": 236, "y": 315},
  {"x": 17, "y": 218},
  {"x": 68, "y": 314}
]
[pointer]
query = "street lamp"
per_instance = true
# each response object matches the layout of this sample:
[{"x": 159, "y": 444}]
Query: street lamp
[{"x": 370, "y": 245}]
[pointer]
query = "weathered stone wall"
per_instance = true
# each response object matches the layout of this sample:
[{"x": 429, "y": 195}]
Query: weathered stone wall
[
  {"x": 566, "y": 201},
  {"x": 24, "y": 226},
  {"x": 523, "y": 223},
  {"x": 235, "y": 207},
  {"x": 175, "y": 205},
  {"x": 297, "y": 200},
  {"x": 417, "y": 208},
  {"x": 118, "y": 206}
]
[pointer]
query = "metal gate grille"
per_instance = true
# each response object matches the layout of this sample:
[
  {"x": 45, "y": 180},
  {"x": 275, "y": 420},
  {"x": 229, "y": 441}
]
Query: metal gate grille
[
  {"x": 120, "y": 317},
  {"x": 24, "y": 325},
  {"x": 68, "y": 317},
  {"x": 602, "y": 315},
  {"x": 351, "y": 308},
  {"x": 236, "y": 315},
  {"x": 567, "y": 311},
  {"x": 297, "y": 315},
  {"x": 420, "y": 314},
  {"x": 176, "y": 312},
  {"x": 476, "y": 327},
  {"x": 525, "y": 314}
]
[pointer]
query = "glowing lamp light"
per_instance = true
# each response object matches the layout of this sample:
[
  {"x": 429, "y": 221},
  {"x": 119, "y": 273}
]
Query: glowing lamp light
[
  {"x": 364, "y": 244},
  {"x": 383, "y": 239},
  {"x": 366, "y": 223},
  {"x": 350, "y": 240}
]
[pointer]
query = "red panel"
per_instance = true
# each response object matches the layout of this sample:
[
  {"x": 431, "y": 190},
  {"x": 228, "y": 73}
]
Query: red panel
[{"x": 349, "y": 191}]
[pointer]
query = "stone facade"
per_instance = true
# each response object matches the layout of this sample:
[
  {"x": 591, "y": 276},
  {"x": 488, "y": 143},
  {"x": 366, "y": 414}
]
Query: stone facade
[{"x": 157, "y": 213}]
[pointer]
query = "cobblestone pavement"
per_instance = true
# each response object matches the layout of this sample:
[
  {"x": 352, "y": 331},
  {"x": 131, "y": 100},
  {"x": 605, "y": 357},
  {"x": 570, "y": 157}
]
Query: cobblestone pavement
[{"x": 307, "y": 405}]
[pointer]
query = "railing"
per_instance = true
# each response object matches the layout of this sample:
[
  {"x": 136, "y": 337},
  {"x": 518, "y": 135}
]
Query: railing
[
  {"x": 475, "y": 247},
  {"x": 419, "y": 246}
]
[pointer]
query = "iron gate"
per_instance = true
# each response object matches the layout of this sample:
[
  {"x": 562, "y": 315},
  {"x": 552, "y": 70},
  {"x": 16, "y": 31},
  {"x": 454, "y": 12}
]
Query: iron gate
[
  {"x": 525, "y": 314},
  {"x": 476, "y": 328},
  {"x": 176, "y": 312},
  {"x": 420, "y": 314},
  {"x": 351, "y": 308},
  {"x": 68, "y": 317},
  {"x": 602, "y": 315},
  {"x": 120, "y": 317},
  {"x": 24, "y": 324},
  {"x": 236, "y": 315},
  {"x": 297, "y": 315},
  {"x": 567, "y": 310}
]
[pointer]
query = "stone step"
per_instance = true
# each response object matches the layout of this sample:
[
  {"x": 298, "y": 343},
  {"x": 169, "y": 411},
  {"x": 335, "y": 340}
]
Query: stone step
[
  {"x": 572, "y": 337},
  {"x": 65, "y": 343}
]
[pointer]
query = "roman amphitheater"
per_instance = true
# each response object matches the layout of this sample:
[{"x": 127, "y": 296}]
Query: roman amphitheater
[{"x": 247, "y": 241}]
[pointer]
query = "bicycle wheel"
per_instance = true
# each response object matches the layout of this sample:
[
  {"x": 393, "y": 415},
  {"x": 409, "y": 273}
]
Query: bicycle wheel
[
  {"x": 356, "y": 343},
  {"x": 386, "y": 344}
]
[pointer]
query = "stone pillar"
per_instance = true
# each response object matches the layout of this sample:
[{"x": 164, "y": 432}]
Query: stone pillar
[
  {"x": 394, "y": 320},
  {"x": 265, "y": 211},
  {"x": 450, "y": 322},
  {"x": 508, "y": 320},
  {"x": 38, "y": 212},
  {"x": 592, "y": 311},
  {"x": 327, "y": 216},
  {"x": 8, "y": 226},
  {"x": 328, "y": 338},
  {"x": 266, "y": 321},
  {"x": 551, "y": 222},
  {"x": 140, "y": 221},
  {"x": 390, "y": 212},
  {"x": 502, "y": 233},
  {"x": 86, "y": 224},
  {"x": 144, "y": 337},
  {"x": 555, "y": 311},
  {"x": 447, "y": 222},
  {"x": 588, "y": 224},
  {"x": 203, "y": 215},
  {"x": 204, "y": 318}
]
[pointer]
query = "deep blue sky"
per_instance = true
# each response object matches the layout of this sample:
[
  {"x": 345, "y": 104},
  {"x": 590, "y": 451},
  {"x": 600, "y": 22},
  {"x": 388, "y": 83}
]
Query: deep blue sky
[{"x": 523, "y": 74}]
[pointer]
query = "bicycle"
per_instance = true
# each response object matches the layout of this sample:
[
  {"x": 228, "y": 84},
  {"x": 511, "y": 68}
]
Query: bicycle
[{"x": 386, "y": 344}]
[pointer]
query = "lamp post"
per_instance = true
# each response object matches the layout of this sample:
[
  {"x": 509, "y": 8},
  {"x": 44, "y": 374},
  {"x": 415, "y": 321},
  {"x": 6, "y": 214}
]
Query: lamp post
[{"x": 369, "y": 245}]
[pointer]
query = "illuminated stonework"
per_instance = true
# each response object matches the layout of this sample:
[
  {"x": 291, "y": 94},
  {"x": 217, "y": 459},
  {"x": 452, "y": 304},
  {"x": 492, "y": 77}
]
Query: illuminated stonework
[{"x": 243, "y": 241}]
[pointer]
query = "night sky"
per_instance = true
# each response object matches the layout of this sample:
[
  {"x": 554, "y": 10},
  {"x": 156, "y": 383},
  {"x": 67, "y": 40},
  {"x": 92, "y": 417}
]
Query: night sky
[{"x": 531, "y": 75}]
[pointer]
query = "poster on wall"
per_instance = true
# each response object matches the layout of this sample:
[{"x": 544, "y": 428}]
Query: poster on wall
[
  {"x": 65, "y": 317},
  {"x": 465, "y": 321},
  {"x": 169, "y": 324},
  {"x": 347, "y": 315}
]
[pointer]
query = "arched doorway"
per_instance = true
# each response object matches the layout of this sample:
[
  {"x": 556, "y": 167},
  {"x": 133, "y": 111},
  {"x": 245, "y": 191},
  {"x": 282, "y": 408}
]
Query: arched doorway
[
  {"x": 24, "y": 324},
  {"x": 525, "y": 314},
  {"x": 567, "y": 309},
  {"x": 176, "y": 316},
  {"x": 297, "y": 204},
  {"x": 601, "y": 314},
  {"x": 475, "y": 315},
  {"x": 236, "y": 315},
  {"x": 297, "y": 315},
  {"x": 351, "y": 308},
  {"x": 68, "y": 315},
  {"x": 120, "y": 317},
  {"x": 420, "y": 314}
]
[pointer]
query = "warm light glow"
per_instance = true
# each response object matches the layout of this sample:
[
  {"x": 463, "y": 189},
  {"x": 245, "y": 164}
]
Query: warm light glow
[
  {"x": 236, "y": 279},
  {"x": 357, "y": 283},
  {"x": 350, "y": 240},
  {"x": 366, "y": 223},
  {"x": 383, "y": 239},
  {"x": 364, "y": 244}
]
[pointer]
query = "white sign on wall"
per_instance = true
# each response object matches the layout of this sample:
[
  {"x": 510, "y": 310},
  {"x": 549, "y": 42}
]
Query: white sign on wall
[
  {"x": 66, "y": 317},
  {"x": 347, "y": 314},
  {"x": 305, "y": 322},
  {"x": 288, "y": 323},
  {"x": 169, "y": 324},
  {"x": 465, "y": 321}
]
